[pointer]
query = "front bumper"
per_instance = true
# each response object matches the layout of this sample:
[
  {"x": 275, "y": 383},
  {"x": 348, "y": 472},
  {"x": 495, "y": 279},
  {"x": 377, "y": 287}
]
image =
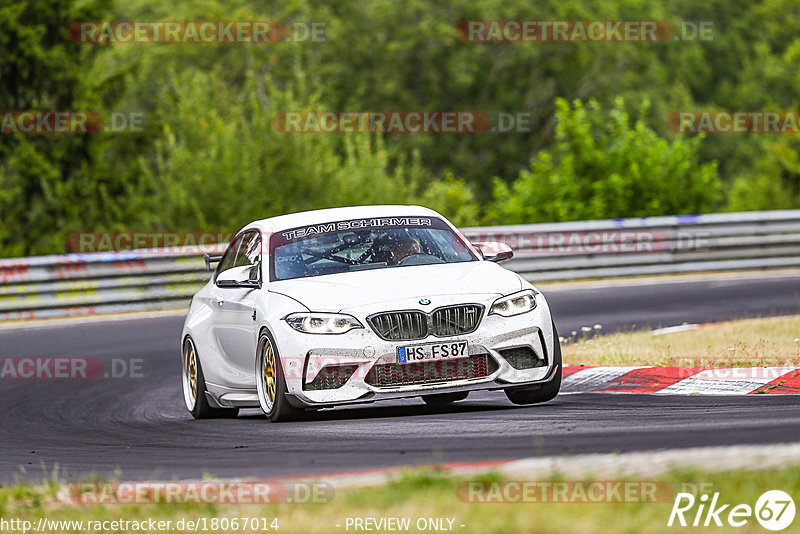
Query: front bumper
[
  {"x": 304, "y": 355},
  {"x": 451, "y": 387}
]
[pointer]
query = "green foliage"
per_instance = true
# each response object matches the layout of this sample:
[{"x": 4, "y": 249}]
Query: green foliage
[
  {"x": 774, "y": 183},
  {"x": 606, "y": 165},
  {"x": 209, "y": 158},
  {"x": 218, "y": 163},
  {"x": 39, "y": 65},
  {"x": 454, "y": 199},
  {"x": 40, "y": 68}
]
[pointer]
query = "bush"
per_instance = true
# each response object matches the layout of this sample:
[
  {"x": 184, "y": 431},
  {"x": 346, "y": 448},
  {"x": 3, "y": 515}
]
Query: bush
[
  {"x": 774, "y": 183},
  {"x": 606, "y": 165},
  {"x": 218, "y": 163},
  {"x": 454, "y": 199}
]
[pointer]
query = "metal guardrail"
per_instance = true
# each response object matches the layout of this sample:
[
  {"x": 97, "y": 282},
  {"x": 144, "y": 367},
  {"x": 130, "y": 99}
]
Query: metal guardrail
[
  {"x": 103, "y": 282},
  {"x": 650, "y": 245},
  {"x": 108, "y": 282}
]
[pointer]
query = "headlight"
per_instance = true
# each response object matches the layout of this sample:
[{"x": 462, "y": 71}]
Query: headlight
[
  {"x": 521, "y": 302},
  {"x": 322, "y": 323}
]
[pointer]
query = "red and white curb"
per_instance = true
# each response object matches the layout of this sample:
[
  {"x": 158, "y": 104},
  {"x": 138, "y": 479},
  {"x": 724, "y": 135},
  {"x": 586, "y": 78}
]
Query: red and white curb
[{"x": 682, "y": 380}]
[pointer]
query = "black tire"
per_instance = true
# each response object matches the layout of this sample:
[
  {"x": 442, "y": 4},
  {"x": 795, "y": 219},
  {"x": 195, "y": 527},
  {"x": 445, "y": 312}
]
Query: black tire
[
  {"x": 279, "y": 410},
  {"x": 194, "y": 393},
  {"x": 444, "y": 398},
  {"x": 544, "y": 392}
]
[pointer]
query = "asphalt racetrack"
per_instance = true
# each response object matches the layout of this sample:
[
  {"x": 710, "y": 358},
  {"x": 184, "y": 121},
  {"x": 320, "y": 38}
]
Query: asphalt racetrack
[{"x": 138, "y": 428}]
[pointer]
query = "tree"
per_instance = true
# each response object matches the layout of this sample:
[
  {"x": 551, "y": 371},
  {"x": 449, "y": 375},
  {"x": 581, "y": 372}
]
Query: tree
[{"x": 41, "y": 69}]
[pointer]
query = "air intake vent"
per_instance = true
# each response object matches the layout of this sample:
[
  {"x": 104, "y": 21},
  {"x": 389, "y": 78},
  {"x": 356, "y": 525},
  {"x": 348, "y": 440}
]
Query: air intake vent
[
  {"x": 522, "y": 358},
  {"x": 395, "y": 374},
  {"x": 331, "y": 377}
]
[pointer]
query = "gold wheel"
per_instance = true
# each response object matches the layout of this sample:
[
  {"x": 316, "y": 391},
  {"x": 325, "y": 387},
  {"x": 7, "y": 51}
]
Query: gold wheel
[
  {"x": 191, "y": 365},
  {"x": 271, "y": 382},
  {"x": 268, "y": 373},
  {"x": 190, "y": 375}
]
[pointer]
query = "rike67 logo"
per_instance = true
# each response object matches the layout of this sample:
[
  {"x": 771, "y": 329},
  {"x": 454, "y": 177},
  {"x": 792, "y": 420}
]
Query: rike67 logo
[{"x": 774, "y": 510}]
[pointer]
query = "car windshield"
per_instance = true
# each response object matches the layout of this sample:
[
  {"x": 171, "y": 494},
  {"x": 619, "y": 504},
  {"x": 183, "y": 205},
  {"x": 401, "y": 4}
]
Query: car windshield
[{"x": 362, "y": 244}]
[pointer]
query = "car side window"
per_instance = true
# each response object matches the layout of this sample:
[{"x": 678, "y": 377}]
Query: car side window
[
  {"x": 249, "y": 253},
  {"x": 229, "y": 257}
]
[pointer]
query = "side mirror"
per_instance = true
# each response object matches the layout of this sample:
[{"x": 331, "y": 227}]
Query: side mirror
[
  {"x": 210, "y": 259},
  {"x": 494, "y": 251},
  {"x": 244, "y": 276}
]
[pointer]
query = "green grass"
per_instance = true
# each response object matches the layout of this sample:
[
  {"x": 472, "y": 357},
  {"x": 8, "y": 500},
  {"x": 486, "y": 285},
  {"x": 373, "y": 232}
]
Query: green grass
[
  {"x": 432, "y": 493},
  {"x": 773, "y": 341}
]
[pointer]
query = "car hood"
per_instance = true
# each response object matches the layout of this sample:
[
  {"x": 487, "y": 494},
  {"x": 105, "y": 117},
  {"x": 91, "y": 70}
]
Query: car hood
[{"x": 336, "y": 292}]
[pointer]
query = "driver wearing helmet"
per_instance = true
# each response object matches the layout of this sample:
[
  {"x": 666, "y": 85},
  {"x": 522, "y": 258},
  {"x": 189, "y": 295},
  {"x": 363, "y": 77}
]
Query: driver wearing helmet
[{"x": 397, "y": 245}]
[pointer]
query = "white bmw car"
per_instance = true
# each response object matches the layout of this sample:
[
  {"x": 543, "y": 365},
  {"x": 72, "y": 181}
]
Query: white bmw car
[{"x": 360, "y": 304}]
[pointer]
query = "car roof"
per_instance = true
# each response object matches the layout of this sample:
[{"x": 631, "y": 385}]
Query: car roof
[{"x": 305, "y": 218}]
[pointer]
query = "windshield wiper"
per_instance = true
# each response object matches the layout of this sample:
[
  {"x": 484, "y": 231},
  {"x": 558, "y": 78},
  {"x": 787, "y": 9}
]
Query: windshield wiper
[{"x": 368, "y": 266}]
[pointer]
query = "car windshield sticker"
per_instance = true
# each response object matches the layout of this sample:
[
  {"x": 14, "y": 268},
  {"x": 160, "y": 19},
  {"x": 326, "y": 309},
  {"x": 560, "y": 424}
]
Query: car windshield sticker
[{"x": 360, "y": 224}]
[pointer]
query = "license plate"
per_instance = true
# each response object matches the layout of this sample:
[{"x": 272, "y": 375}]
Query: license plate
[{"x": 432, "y": 351}]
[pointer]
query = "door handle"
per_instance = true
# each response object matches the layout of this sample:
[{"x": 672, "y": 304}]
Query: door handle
[{"x": 220, "y": 302}]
